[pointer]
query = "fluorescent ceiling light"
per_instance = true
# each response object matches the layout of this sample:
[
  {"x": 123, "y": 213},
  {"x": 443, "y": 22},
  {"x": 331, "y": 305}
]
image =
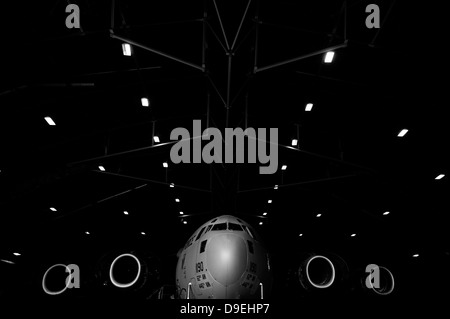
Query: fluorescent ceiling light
[
  {"x": 294, "y": 142},
  {"x": 125, "y": 212},
  {"x": 318, "y": 215},
  {"x": 181, "y": 213},
  {"x": 402, "y": 132},
  {"x": 126, "y": 49},
  {"x": 145, "y": 102},
  {"x": 165, "y": 165},
  {"x": 329, "y": 57},
  {"x": 386, "y": 213},
  {"x": 87, "y": 233},
  {"x": 16, "y": 254},
  {"x": 142, "y": 233},
  {"x": 172, "y": 185},
  {"x": 269, "y": 201},
  {"x": 185, "y": 222},
  {"x": 177, "y": 200},
  {"x": 156, "y": 139},
  {"x": 308, "y": 107},
  {"x": 49, "y": 120},
  {"x": 7, "y": 261},
  {"x": 300, "y": 235},
  {"x": 416, "y": 255},
  {"x": 284, "y": 167},
  {"x": 53, "y": 209},
  {"x": 440, "y": 176},
  {"x": 260, "y": 223},
  {"x": 353, "y": 235},
  {"x": 101, "y": 168},
  {"x": 265, "y": 214},
  {"x": 275, "y": 187}
]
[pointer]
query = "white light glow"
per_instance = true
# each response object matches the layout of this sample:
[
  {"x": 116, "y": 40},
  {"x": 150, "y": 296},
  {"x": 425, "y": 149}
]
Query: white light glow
[
  {"x": 265, "y": 214},
  {"x": 125, "y": 212},
  {"x": 416, "y": 255},
  {"x": 7, "y": 261},
  {"x": 402, "y": 132},
  {"x": 308, "y": 107},
  {"x": 156, "y": 139},
  {"x": 16, "y": 254},
  {"x": 126, "y": 49},
  {"x": 101, "y": 168},
  {"x": 294, "y": 142},
  {"x": 318, "y": 215},
  {"x": 353, "y": 235},
  {"x": 329, "y": 57},
  {"x": 177, "y": 200},
  {"x": 260, "y": 223},
  {"x": 165, "y": 165},
  {"x": 284, "y": 167},
  {"x": 49, "y": 120},
  {"x": 185, "y": 222},
  {"x": 269, "y": 201},
  {"x": 87, "y": 233},
  {"x": 53, "y": 209},
  {"x": 181, "y": 213},
  {"x": 386, "y": 213},
  {"x": 145, "y": 101},
  {"x": 142, "y": 233},
  {"x": 300, "y": 235},
  {"x": 275, "y": 187},
  {"x": 440, "y": 176},
  {"x": 172, "y": 185}
]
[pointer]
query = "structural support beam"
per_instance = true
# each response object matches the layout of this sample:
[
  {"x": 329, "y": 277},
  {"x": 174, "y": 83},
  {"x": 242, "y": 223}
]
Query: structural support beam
[
  {"x": 168, "y": 56},
  {"x": 240, "y": 25},
  {"x": 221, "y": 26},
  {"x": 320, "y": 180},
  {"x": 302, "y": 57}
]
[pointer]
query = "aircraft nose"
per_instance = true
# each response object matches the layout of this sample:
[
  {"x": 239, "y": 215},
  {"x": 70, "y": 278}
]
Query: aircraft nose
[{"x": 226, "y": 258}]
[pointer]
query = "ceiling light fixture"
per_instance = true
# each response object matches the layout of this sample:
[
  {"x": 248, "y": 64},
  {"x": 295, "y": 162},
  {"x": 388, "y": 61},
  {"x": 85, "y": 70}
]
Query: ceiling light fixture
[
  {"x": 53, "y": 209},
  {"x": 145, "y": 102},
  {"x": 177, "y": 200},
  {"x": 16, "y": 254},
  {"x": 318, "y": 215},
  {"x": 329, "y": 57},
  {"x": 308, "y": 107},
  {"x": 386, "y": 213},
  {"x": 440, "y": 176},
  {"x": 402, "y": 132},
  {"x": 101, "y": 168},
  {"x": 126, "y": 49},
  {"x": 125, "y": 212},
  {"x": 49, "y": 121},
  {"x": 294, "y": 142},
  {"x": 165, "y": 165},
  {"x": 156, "y": 139},
  {"x": 284, "y": 167}
]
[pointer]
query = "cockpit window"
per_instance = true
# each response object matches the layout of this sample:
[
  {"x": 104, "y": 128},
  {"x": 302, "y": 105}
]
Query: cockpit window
[
  {"x": 202, "y": 246},
  {"x": 250, "y": 246},
  {"x": 233, "y": 226},
  {"x": 220, "y": 226},
  {"x": 249, "y": 231},
  {"x": 208, "y": 228},
  {"x": 200, "y": 233}
]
